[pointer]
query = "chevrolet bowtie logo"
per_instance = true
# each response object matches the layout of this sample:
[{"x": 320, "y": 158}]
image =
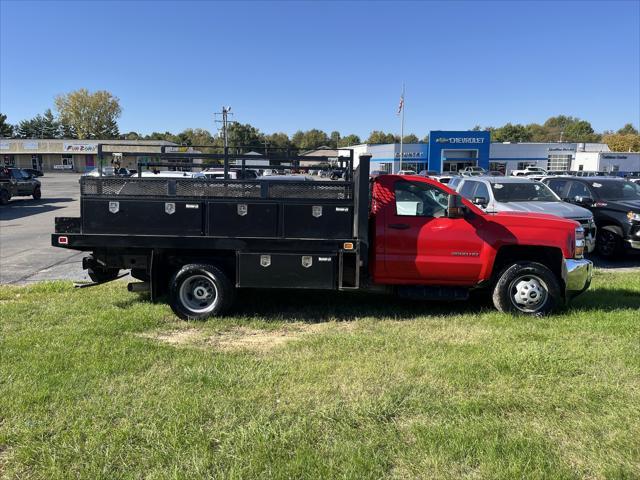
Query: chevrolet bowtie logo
[{"x": 442, "y": 140}]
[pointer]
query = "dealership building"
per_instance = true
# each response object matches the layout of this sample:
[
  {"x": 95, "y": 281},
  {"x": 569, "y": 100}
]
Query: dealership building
[
  {"x": 451, "y": 151},
  {"x": 446, "y": 151}
]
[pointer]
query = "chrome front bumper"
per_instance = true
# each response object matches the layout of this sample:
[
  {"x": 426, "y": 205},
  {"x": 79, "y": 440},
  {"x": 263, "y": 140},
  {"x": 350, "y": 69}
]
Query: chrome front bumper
[{"x": 577, "y": 275}]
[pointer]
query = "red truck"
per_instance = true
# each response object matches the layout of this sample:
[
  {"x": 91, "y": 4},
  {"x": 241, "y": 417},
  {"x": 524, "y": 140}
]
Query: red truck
[{"x": 196, "y": 240}]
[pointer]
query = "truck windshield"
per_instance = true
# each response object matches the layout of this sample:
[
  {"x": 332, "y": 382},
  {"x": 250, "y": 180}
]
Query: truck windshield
[
  {"x": 617, "y": 190},
  {"x": 523, "y": 192}
]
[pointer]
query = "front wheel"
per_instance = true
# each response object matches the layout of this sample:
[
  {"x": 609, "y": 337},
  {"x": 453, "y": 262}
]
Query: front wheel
[
  {"x": 527, "y": 288},
  {"x": 608, "y": 243},
  {"x": 37, "y": 193},
  {"x": 199, "y": 291}
]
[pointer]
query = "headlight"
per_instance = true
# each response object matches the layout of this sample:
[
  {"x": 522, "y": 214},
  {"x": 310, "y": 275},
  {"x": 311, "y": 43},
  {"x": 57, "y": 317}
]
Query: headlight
[
  {"x": 633, "y": 217},
  {"x": 579, "y": 250}
]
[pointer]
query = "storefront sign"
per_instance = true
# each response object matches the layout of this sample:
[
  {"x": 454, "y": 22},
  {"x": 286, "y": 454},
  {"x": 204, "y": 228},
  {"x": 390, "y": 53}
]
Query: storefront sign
[
  {"x": 460, "y": 140},
  {"x": 30, "y": 145},
  {"x": 80, "y": 147},
  {"x": 62, "y": 167}
]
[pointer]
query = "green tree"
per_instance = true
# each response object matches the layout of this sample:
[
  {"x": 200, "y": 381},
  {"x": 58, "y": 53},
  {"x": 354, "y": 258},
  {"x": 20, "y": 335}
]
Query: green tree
[
  {"x": 195, "y": 136},
  {"x": 334, "y": 139},
  {"x": 244, "y": 137},
  {"x": 279, "y": 142},
  {"x": 580, "y": 131},
  {"x": 131, "y": 136},
  {"x": 411, "y": 138},
  {"x": 511, "y": 133},
  {"x": 91, "y": 115},
  {"x": 379, "y": 137},
  {"x": 425, "y": 139},
  {"x": 6, "y": 129},
  {"x": 349, "y": 140},
  {"x": 166, "y": 136},
  {"x": 628, "y": 129},
  {"x": 310, "y": 139},
  {"x": 26, "y": 129},
  {"x": 538, "y": 133}
]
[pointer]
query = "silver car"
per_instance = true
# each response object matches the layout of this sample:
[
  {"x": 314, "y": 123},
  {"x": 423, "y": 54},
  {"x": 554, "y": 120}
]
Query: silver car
[{"x": 520, "y": 194}]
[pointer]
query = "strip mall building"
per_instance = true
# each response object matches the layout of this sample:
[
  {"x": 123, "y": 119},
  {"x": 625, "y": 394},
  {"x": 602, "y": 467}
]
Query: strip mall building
[{"x": 447, "y": 151}]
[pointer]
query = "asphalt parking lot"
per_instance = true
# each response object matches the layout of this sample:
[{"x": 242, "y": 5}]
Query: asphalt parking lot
[{"x": 26, "y": 254}]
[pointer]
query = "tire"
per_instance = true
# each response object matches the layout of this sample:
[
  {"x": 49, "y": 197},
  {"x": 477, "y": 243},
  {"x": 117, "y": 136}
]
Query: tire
[
  {"x": 608, "y": 243},
  {"x": 200, "y": 291},
  {"x": 5, "y": 196},
  {"x": 102, "y": 275},
  {"x": 527, "y": 288},
  {"x": 37, "y": 193}
]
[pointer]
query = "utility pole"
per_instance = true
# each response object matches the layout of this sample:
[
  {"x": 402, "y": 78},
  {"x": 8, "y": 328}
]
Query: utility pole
[{"x": 226, "y": 111}]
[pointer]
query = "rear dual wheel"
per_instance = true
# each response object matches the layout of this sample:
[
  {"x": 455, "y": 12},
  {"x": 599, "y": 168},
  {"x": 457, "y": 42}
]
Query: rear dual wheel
[
  {"x": 199, "y": 291},
  {"x": 527, "y": 288}
]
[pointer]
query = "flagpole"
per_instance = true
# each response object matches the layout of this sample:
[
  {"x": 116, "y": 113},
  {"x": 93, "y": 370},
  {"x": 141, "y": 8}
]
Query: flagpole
[{"x": 402, "y": 128}]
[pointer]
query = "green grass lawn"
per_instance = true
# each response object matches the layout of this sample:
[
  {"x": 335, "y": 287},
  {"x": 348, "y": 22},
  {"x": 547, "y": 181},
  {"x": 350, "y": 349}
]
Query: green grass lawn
[{"x": 100, "y": 383}]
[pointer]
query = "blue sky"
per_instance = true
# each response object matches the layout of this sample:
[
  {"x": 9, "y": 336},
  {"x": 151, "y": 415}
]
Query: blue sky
[{"x": 284, "y": 66}]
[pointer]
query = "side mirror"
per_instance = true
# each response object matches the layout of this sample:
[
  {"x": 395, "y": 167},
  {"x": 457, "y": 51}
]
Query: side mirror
[
  {"x": 480, "y": 201},
  {"x": 455, "y": 207},
  {"x": 584, "y": 201}
]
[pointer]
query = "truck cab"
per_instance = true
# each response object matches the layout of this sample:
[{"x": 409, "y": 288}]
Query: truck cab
[{"x": 196, "y": 240}]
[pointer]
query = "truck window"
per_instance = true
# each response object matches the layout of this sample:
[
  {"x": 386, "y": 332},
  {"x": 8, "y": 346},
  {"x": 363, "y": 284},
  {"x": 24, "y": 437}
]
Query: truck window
[
  {"x": 557, "y": 186},
  {"x": 482, "y": 191},
  {"x": 467, "y": 189},
  {"x": 578, "y": 189},
  {"x": 419, "y": 200}
]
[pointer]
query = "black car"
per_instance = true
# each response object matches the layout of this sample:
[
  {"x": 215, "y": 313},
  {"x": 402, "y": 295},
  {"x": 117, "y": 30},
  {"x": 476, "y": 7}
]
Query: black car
[
  {"x": 615, "y": 204},
  {"x": 33, "y": 172},
  {"x": 27, "y": 186}
]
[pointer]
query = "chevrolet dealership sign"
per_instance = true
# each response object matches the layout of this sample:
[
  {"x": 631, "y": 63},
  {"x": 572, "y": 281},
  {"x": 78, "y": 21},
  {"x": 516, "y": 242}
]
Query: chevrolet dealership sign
[{"x": 460, "y": 140}]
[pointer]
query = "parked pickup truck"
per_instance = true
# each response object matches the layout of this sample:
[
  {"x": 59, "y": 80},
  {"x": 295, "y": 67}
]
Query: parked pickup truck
[
  {"x": 520, "y": 194},
  {"x": 8, "y": 186},
  {"x": 15, "y": 182},
  {"x": 615, "y": 204},
  {"x": 196, "y": 241}
]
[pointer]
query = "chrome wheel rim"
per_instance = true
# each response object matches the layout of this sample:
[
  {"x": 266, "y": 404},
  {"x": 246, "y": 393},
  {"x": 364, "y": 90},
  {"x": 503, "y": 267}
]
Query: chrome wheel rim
[
  {"x": 528, "y": 293},
  {"x": 199, "y": 294}
]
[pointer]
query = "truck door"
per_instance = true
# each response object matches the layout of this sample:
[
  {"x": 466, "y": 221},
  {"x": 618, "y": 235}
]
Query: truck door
[{"x": 422, "y": 245}]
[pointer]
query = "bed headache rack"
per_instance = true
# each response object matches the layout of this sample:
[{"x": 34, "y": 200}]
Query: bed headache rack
[{"x": 229, "y": 158}]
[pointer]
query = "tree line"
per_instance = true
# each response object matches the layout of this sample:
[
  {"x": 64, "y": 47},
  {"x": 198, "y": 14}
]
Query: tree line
[{"x": 86, "y": 115}]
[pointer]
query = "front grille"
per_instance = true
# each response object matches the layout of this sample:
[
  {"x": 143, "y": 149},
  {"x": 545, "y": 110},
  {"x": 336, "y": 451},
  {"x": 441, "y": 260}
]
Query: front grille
[{"x": 587, "y": 224}]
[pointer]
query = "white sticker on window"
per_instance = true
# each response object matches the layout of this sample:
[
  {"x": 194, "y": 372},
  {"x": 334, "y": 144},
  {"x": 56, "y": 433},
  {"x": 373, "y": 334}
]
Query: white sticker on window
[
  {"x": 597, "y": 185},
  {"x": 498, "y": 186}
]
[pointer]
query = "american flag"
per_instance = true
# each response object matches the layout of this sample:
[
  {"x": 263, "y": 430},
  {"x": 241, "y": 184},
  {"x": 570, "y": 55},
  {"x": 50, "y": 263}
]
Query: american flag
[{"x": 401, "y": 104}]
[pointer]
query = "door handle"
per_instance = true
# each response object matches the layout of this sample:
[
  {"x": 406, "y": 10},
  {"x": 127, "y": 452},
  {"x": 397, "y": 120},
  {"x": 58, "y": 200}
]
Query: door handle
[{"x": 399, "y": 226}]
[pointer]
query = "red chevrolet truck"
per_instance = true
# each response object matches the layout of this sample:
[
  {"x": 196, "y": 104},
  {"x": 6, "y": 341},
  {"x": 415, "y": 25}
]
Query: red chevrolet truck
[{"x": 194, "y": 241}]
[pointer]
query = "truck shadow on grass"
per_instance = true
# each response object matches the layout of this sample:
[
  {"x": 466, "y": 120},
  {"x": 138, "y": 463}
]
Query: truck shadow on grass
[{"x": 313, "y": 306}]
